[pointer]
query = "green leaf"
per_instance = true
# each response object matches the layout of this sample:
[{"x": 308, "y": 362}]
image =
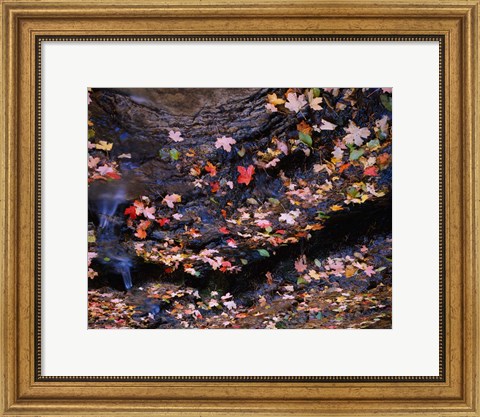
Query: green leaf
[
  {"x": 319, "y": 316},
  {"x": 91, "y": 239},
  {"x": 373, "y": 143},
  {"x": 243, "y": 261},
  {"x": 306, "y": 139},
  {"x": 318, "y": 263},
  {"x": 382, "y": 268},
  {"x": 386, "y": 101},
  {"x": 316, "y": 92},
  {"x": 274, "y": 201},
  {"x": 241, "y": 152},
  {"x": 355, "y": 154},
  {"x": 106, "y": 259},
  {"x": 174, "y": 154},
  {"x": 163, "y": 154},
  {"x": 321, "y": 215},
  {"x": 91, "y": 134},
  {"x": 301, "y": 281},
  {"x": 268, "y": 229},
  {"x": 252, "y": 201},
  {"x": 353, "y": 192},
  {"x": 264, "y": 252}
]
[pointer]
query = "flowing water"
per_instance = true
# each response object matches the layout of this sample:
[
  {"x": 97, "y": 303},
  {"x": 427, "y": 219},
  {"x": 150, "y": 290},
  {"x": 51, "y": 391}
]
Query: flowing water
[{"x": 105, "y": 200}]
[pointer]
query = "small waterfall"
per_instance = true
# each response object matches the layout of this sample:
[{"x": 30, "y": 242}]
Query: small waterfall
[
  {"x": 124, "y": 267},
  {"x": 105, "y": 201}
]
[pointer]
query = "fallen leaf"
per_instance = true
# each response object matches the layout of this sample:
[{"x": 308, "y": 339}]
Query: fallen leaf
[
  {"x": 344, "y": 167},
  {"x": 356, "y": 134},
  {"x": 273, "y": 99},
  {"x": 314, "y": 102},
  {"x": 225, "y": 143},
  {"x": 93, "y": 162},
  {"x": 231, "y": 243},
  {"x": 337, "y": 153},
  {"x": 175, "y": 136},
  {"x": 271, "y": 108},
  {"x": 171, "y": 199},
  {"x": 163, "y": 221},
  {"x": 131, "y": 211},
  {"x": 306, "y": 139},
  {"x": 214, "y": 186},
  {"x": 148, "y": 212},
  {"x": 371, "y": 171},
  {"x": 304, "y": 127},
  {"x": 211, "y": 169},
  {"x": 104, "y": 146},
  {"x": 301, "y": 264},
  {"x": 295, "y": 103},
  {"x": 326, "y": 125},
  {"x": 246, "y": 174},
  {"x": 113, "y": 175}
]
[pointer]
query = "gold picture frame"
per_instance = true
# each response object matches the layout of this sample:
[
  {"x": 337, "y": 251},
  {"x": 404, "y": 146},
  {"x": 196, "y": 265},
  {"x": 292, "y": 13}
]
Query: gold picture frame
[{"x": 25, "y": 24}]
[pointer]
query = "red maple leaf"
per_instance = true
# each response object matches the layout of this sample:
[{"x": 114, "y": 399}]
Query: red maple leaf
[
  {"x": 113, "y": 175},
  {"x": 224, "y": 230},
  {"x": 371, "y": 171},
  {"x": 215, "y": 186},
  {"x": 132, "y": 212},
  {"x": 246, "y": 174},
  {"x": 162, "y": 222},
  {"x": 225, "y": 266}
]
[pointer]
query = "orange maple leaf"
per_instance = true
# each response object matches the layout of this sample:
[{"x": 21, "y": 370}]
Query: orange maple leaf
[
  {"x": 141, "y": 233},
  {"x": 304, "y": 127},
  {"x": 211, "y": 169}
]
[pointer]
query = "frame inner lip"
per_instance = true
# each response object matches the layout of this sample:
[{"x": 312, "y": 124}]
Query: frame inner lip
[{"x": 38, "y": 377}]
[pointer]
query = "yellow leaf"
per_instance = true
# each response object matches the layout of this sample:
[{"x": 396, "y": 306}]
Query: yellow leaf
[
  {"x": 350, "y": 271},
  {"x": 273, "y": 99},
  {"x": 314, "y": 274},
  {"x": 336, "y": 207},
  {"x": 104, "y": 146}
]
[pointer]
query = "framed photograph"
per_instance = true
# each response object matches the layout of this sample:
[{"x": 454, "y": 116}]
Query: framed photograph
[{"x": 231, "y": 208}]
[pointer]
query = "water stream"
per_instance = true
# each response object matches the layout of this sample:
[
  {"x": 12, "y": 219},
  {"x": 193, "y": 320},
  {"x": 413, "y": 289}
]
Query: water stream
[{"x": 105, "y": 200}]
